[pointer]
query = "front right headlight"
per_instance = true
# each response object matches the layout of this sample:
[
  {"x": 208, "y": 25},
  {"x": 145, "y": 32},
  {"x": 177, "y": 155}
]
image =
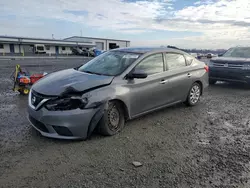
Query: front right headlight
[
  {"x": 246, "y": 66},
  {"x": 67, "y": 103}
]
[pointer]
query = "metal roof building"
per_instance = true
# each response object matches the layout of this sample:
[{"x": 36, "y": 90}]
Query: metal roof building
[
  {"x": 101, "y": 43},
  {"x": 15, "y": 45}
]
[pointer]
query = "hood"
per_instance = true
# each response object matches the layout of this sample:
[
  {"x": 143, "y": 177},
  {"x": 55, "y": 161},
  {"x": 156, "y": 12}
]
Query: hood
[
  {"x": 56, "y": 83},
  {"x": 231, "y": 60}
]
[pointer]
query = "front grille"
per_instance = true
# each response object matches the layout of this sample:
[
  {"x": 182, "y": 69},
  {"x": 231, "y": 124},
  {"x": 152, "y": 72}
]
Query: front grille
[
  {"x": 218, "y": 64},
  {"x": 228, "y": 65},
  {"x": 63, "y": 131},
  {"x": 39, "y": 125},
  {"x": 235, "y": 66}
]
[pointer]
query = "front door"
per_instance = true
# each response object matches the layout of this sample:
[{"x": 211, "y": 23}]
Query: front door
[
  {"x": 151, "y": 92},
  {"x": 57, "y": 50},
  {"x": 12, "y": 48}
]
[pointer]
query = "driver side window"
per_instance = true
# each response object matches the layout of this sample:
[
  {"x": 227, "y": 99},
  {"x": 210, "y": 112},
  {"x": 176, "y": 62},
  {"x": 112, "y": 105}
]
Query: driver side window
[{"x": 151, "y": 65}]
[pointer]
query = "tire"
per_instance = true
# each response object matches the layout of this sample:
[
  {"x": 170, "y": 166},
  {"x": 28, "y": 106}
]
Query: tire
[
  {"x": 212, "y": 82},
  {"x": 193, "y": 95},
  {"x": 26, "y": 91},
  {"x": 109, "y": 124}
]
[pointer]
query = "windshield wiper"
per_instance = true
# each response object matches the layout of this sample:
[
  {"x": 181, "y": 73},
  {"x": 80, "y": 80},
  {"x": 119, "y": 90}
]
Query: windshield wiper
[{"x": 90, "y": 72}]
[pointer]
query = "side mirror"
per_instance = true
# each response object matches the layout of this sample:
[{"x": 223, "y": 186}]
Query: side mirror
[
  {"x": 219, "y": 55},
  {"x": 137, "y": 74}
]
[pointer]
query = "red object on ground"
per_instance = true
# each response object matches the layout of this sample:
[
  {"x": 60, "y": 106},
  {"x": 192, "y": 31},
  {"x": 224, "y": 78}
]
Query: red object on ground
[
  {"x": 24, "y": 80},
  {"x": 35, "y": 77}
]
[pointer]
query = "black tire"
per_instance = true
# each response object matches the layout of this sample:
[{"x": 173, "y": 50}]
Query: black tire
[
  {"x": 190, "y": 101},
  {"x": 109, "y": 124},
  {"x": 212, "y": 82},
  {"x": 20, "y": 90}
]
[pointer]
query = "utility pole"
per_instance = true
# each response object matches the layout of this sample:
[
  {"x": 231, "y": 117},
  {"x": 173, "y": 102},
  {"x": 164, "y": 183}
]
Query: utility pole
[{"x": 81, "y": 33}]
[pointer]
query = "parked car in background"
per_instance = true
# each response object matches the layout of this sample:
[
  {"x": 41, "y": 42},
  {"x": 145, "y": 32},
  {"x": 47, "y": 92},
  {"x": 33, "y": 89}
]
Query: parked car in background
[
  {"x": 39, "y": 49},
  {"x": 83, "y": 52},
  {"x": 209, "y": 55},
  {"x": 234, "y": 65},
  {"x": 194, "y": 55},
  {"x": 98, "y": 52},
  {"x": 199, "y": 56},
  {"x": 116, "y": 86},
  {"x": 77, "y": 51}
]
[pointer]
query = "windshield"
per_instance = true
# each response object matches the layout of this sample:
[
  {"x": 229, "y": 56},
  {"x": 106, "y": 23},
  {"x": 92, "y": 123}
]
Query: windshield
[
  {"x": 110, "y": 63},
  {"x": 238, "y": 52}
]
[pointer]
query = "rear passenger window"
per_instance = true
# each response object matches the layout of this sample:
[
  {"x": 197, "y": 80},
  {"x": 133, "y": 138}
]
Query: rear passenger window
[
  {"x": 151, "y": 65},
  {"x": 189, "y": 60},
  {"x": 175, "y": 61}
]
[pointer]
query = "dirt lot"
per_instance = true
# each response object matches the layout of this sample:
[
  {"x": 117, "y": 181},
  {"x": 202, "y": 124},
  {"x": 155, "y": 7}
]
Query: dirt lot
[{"x": 204, "y": 146}]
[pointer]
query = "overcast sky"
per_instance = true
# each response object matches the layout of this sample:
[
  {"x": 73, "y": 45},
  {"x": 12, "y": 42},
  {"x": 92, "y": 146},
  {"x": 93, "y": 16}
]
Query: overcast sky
[{"x": 183, "y": 23}]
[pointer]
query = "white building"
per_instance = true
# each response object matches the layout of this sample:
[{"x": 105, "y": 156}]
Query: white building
[
  {"x": 26, "y": 45},
  {"x": 101, "y": 43}
]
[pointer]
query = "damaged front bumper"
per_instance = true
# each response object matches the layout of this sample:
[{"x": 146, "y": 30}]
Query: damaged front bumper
[{"x": 71, "y": 124}]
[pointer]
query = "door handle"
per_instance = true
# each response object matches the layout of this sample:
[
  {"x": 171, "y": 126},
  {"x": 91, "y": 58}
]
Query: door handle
[
  {"x": 189, "y": 75},
  {"x": 163, "y": 81}
]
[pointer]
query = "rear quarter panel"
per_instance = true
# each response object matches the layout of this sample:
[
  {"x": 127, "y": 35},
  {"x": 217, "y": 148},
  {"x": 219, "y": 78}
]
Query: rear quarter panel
[{"x": 197, "y": 68}]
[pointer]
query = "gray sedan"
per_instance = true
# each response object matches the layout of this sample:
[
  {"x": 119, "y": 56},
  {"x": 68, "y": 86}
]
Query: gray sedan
[{"x": 116, "y": 86}]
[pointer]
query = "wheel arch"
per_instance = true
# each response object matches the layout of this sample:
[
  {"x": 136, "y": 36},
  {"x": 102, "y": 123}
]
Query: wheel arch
[
  {"x": 124, "y": 106},
  {"x": 201, "y": 84}
]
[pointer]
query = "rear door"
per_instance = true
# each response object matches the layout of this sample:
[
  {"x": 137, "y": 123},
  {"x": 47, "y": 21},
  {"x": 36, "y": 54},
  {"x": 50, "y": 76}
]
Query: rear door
[
  {"x": 151, "y": 92},
  {"x": 179, "y": 75}
]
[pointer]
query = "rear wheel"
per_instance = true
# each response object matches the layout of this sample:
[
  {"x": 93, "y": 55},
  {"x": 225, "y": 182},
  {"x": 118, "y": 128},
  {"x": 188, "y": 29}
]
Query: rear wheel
[
  {"x": 113, "y": 119},
  {"x": 211, "y": 81},
  {"x": 194, "y": 95},
  {"x": 26, "y": 91}
]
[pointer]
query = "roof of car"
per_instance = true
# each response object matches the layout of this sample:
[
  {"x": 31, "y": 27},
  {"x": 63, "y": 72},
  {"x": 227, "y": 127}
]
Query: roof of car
[{"x": 144, "y": 50}]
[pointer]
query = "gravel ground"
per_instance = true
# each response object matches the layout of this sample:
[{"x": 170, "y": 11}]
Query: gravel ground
[{"x": 204, "y": 146}]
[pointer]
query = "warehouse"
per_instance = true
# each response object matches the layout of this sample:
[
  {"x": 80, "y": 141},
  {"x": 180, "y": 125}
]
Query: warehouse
[
  {"x": 26, "y": 45},
  {"x": 101, "y": 43}
]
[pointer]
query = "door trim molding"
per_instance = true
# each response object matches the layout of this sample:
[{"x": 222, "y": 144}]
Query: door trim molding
[{"x": 154, "y": 109}]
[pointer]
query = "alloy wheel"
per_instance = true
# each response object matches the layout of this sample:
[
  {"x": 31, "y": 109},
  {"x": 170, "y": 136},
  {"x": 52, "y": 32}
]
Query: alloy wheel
[{"x": 195, "y": 93}]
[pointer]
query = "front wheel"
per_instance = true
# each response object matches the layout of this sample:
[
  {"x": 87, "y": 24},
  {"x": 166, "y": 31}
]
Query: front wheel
[
  {"x": 113, "y": 119},
  {"x": 24, "y": 91},
  {"x": 194, "y": 95}
]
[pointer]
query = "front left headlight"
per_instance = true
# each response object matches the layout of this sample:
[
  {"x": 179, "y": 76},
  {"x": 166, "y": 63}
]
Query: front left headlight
[
  {"x": 211, "y": 63},
  {"x": 66, "y": 103},
  {"x": 246, "y": 66}
]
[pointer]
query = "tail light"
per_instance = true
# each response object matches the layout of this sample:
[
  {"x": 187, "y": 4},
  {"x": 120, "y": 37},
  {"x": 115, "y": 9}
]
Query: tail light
[{"x": 206, "y": 68}]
